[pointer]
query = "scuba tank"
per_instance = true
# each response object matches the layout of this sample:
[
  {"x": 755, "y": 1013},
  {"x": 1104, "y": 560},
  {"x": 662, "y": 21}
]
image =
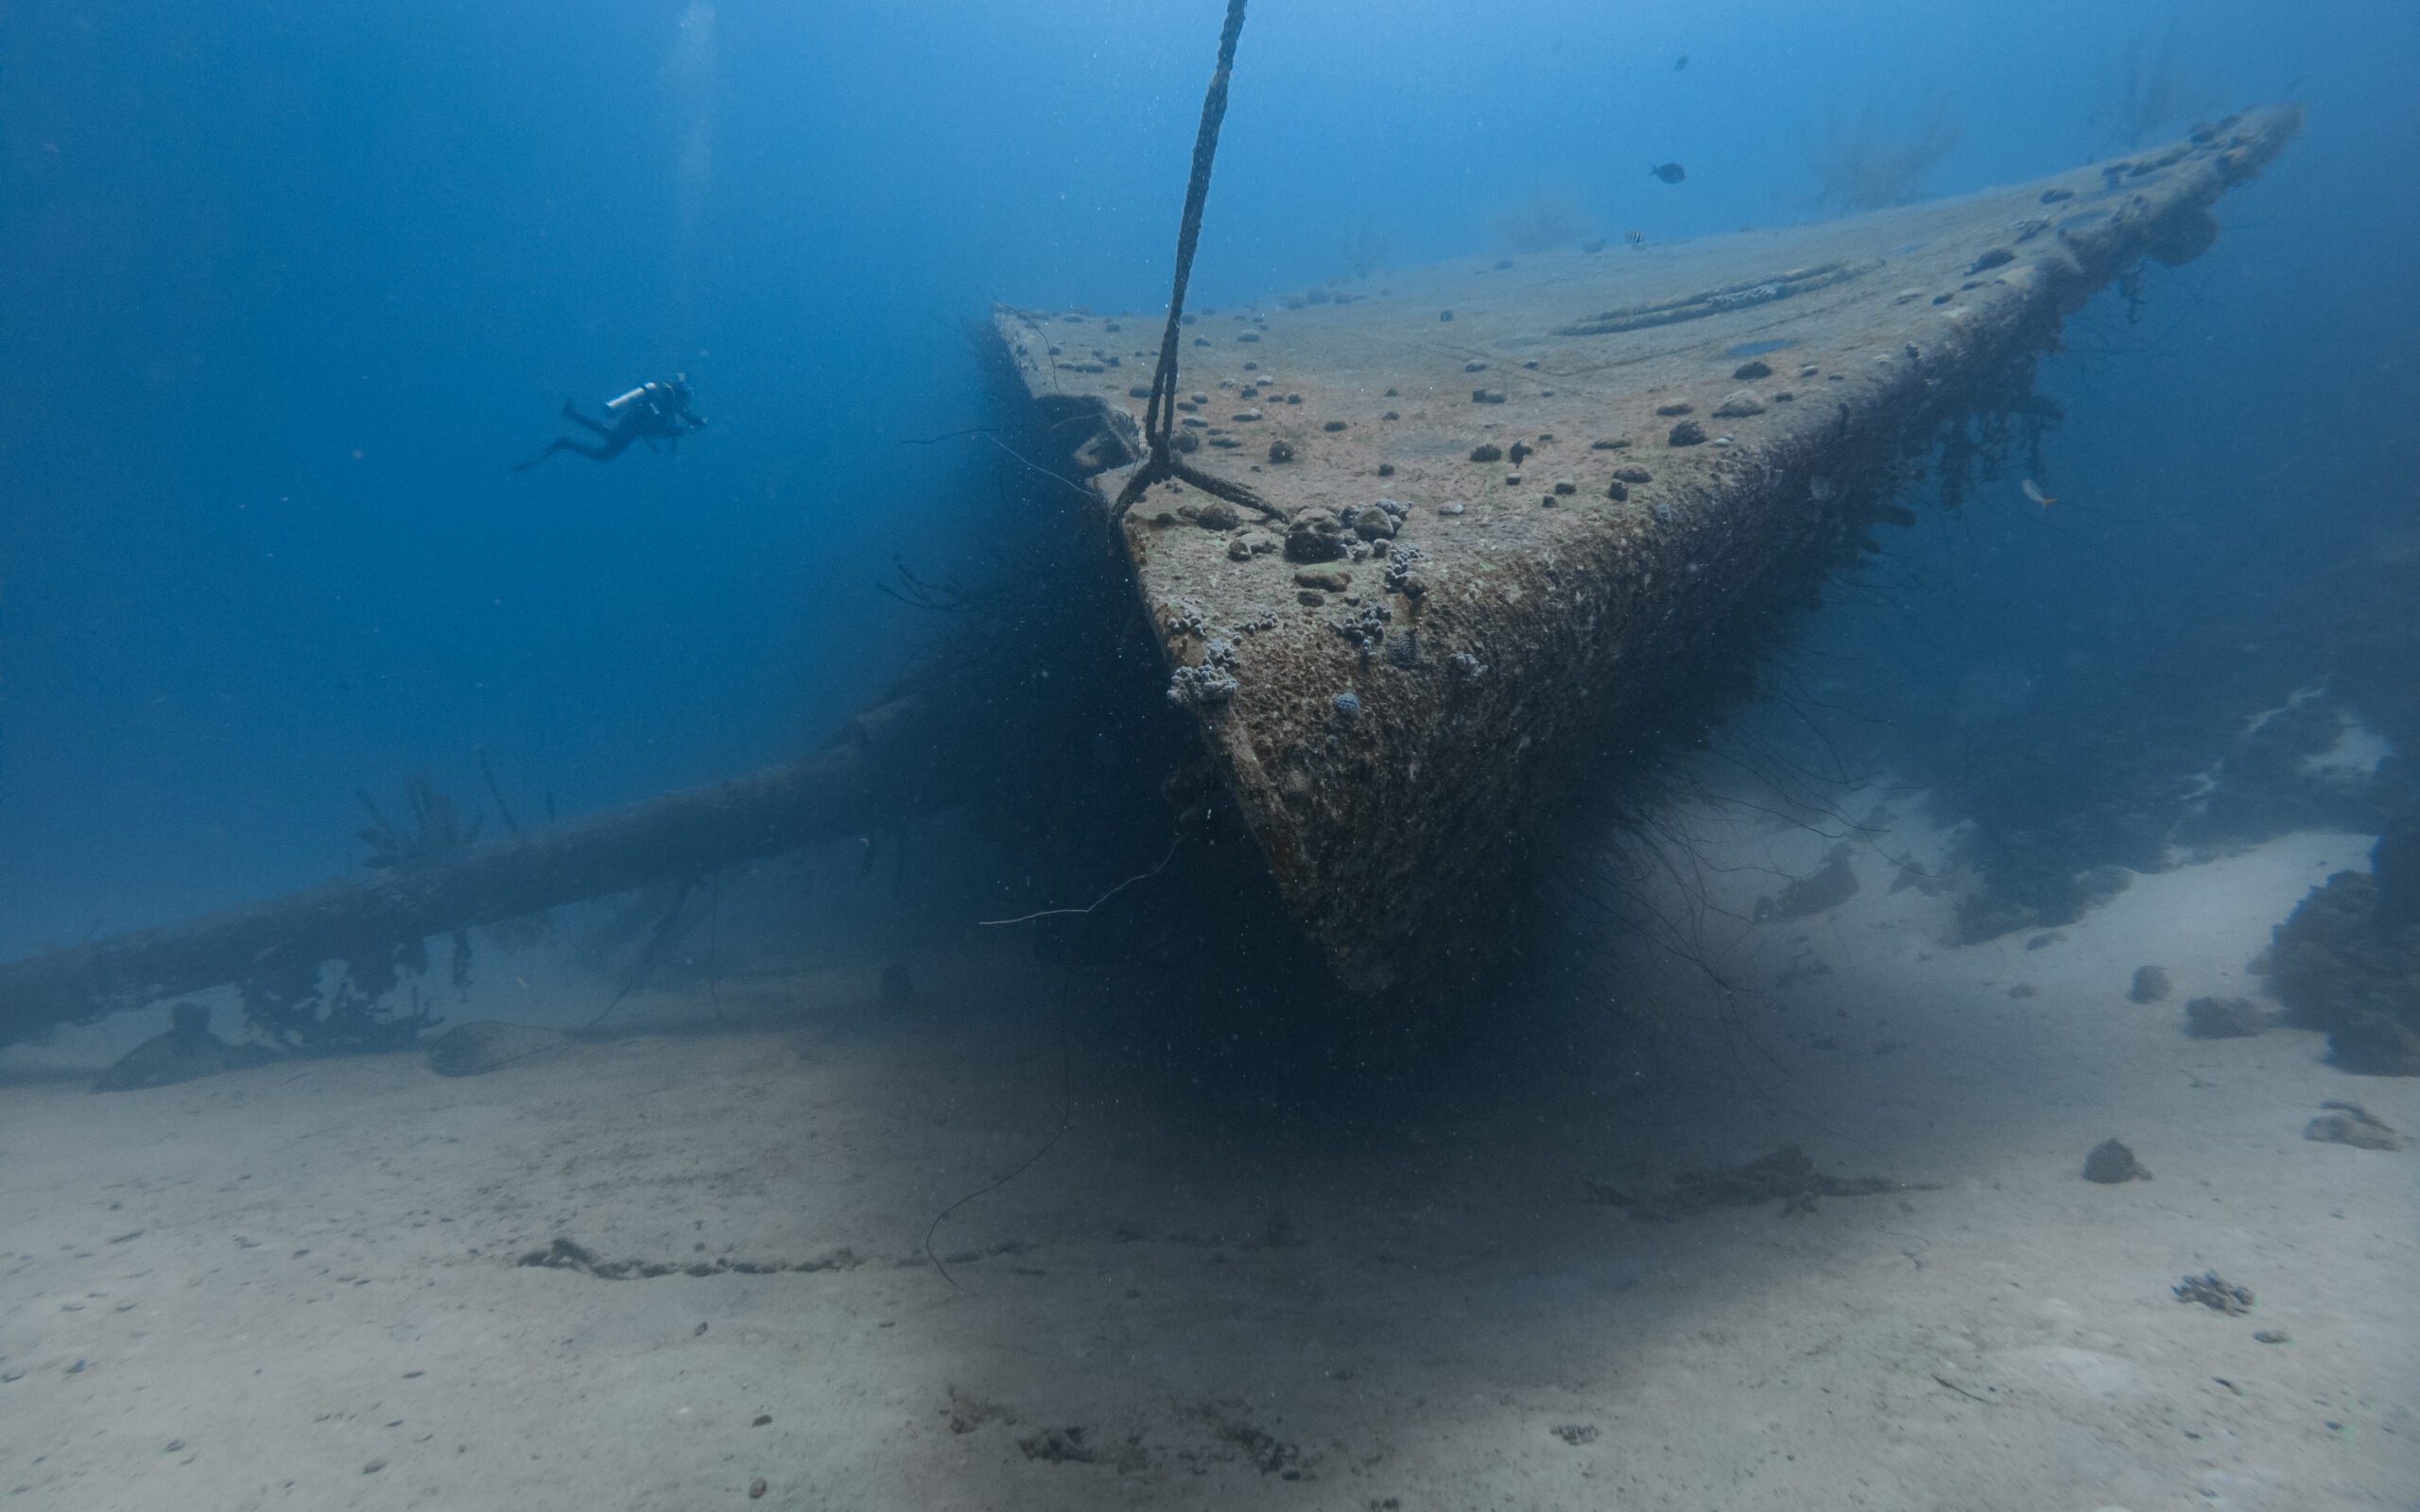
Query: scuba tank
[{"x": 614, "y": 406}]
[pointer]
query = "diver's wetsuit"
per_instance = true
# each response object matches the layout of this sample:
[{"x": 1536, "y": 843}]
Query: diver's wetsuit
[{"x": 652, "y": 412}]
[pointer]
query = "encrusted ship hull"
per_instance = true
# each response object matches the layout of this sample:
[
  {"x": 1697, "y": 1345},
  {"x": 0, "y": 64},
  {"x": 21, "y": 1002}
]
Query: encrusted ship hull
[{"x": 1526, "y": 500}]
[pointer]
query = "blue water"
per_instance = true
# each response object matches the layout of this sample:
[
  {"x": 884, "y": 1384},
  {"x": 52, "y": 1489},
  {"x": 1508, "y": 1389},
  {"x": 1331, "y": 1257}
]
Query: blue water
[{"x": 290, "y": 284}]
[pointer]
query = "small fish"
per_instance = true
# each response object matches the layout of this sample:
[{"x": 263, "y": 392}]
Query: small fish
[
  {"x": 1637, "y": 238},
  {"x": 1668, "y": 172},
  {"x": 2033, "y": 492},
  {"x": 1679, "y": 62}
]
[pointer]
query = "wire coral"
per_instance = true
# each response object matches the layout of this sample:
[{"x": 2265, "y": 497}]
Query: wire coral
[
  {"x": 2147, "y": 85},
  {"x": 1541, "y": 223},
  {"x": 1363, "y": 246},
  {"x": 437, "y": 825},
  {"x": 287, "y": 1001},
  {"x": 1863, "y": 165}
]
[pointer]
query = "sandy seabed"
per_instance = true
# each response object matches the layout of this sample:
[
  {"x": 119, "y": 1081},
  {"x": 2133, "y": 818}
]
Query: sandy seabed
[{"x": 303, "y": 1286}]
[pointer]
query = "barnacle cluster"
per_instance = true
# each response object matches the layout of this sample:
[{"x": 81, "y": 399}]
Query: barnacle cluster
[
  {"x": 1182, "y": 616},
  {"x": 1212, "y": 682},
  {"x": 1365, "y": 630}
]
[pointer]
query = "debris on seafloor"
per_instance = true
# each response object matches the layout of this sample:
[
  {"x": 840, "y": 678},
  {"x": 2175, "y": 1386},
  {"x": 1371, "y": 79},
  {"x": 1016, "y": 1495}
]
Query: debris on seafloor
[
  {"x": 2223, "y": 1018},
  {"x": 2214, "y": 1292},
  {"x": 968, "y": 1412},
  {"x": 1787, "y": 1174},
  {"x": 2112, "y": 1162},
  {"x": 1058, "y": 1446},
  {"x": 569, "y": 1254},
  {"x": 1238, "y": 1433},
  {"x": 1829, "y": 887},
  {"x": 2352, "y": 1123},
  {"x": 2347, "y": 960},
  {"x": 186, "y": 1053},
  {"x": 2151, "y": 985},
  {"x": 1911, "y": 875},
  {"x": 484, "y": 1045}
]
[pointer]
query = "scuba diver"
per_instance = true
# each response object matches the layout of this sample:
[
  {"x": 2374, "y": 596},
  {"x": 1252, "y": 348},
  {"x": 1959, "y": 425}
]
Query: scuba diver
[{"x": 652, "y": 412}]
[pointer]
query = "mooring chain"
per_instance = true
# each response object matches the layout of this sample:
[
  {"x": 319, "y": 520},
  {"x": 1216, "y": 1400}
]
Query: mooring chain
[{"x": 1158, "y": 415}]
